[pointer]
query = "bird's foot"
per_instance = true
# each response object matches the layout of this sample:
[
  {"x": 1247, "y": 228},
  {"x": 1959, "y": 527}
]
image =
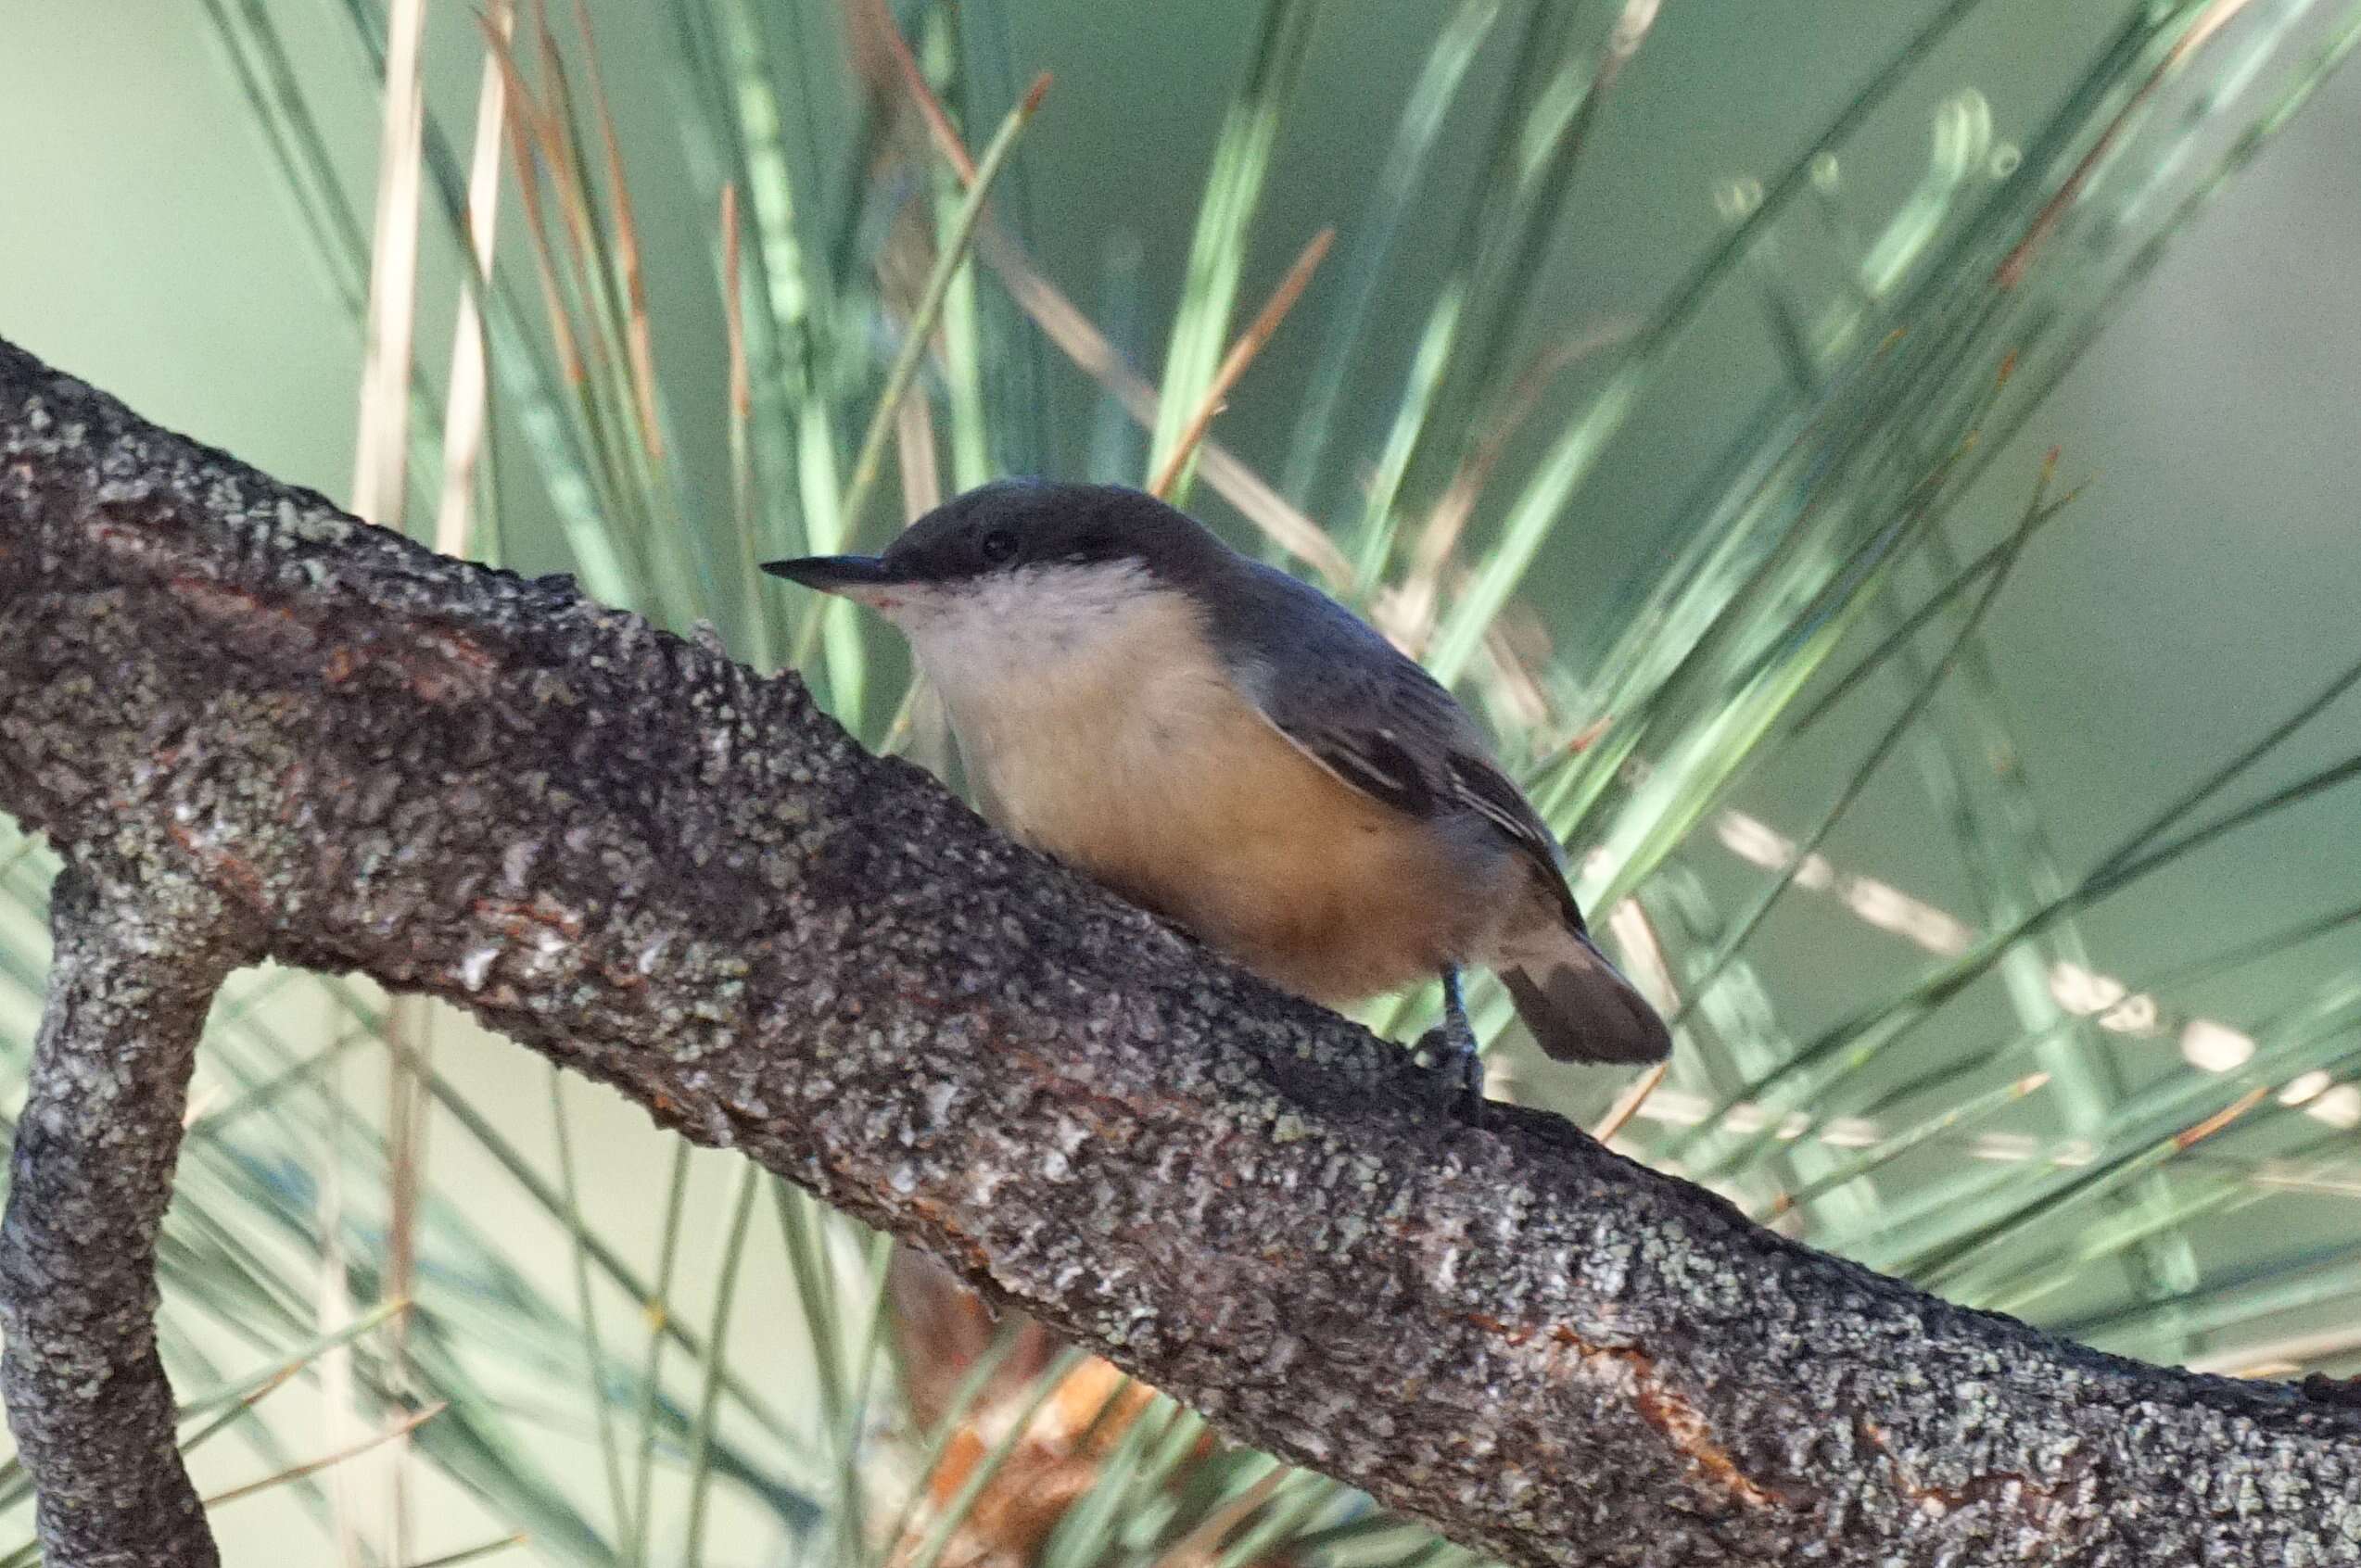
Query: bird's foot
[{"x": 1448, "y": 1051}]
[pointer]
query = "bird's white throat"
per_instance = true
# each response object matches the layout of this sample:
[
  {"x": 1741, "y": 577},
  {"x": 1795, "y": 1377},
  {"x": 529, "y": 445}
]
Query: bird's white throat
[
  {"x": 1047, "y": 669},
  {"x": 986, "y": 640}
]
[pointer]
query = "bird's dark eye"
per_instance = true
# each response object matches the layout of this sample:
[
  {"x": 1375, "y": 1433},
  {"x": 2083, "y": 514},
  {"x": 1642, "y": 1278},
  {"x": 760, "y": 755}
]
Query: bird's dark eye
[{"x": 998, "y": 545}]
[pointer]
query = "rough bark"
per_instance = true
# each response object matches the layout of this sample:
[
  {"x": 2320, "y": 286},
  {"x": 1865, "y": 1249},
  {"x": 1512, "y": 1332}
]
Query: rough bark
[
  {"x": 131, "y": 980},
  {"x": 656, "y": 868}
]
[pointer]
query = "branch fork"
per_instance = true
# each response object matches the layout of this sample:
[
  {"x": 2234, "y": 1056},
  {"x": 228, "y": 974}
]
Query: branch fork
[{"x": 302, "y": 737}]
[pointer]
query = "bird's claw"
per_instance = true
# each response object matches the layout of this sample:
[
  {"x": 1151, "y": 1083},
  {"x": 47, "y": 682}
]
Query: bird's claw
[{"x": 1449, "y": 1053}]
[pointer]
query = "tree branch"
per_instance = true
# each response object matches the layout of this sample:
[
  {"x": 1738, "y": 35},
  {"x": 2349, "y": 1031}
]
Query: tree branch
[
  {"x": 680, "y": 879},
  {"x": 130, "y": 982}
]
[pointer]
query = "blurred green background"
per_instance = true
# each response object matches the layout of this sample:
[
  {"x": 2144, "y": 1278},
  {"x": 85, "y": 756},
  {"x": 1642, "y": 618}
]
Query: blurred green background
[{"x": 2199, "y": 588}]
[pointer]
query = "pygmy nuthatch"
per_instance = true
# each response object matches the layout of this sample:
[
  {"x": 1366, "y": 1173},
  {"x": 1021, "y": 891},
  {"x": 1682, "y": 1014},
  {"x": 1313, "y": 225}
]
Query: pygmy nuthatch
[{"x": 1234, "y": 751}]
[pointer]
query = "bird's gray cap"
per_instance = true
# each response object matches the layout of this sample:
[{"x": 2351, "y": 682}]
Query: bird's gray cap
[{"x": 1016, "y": 523}]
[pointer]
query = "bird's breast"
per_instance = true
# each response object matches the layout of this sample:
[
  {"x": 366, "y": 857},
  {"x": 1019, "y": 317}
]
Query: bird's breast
[{"x": 1143, "y": 765}]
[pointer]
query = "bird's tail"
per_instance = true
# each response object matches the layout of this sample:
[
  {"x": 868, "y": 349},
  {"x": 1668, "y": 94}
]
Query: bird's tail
[{"x": 1579, "y": 1005}]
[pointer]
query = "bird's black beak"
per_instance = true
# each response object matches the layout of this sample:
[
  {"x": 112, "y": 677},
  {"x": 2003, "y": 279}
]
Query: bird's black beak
[{"x": 834, "y": 573}]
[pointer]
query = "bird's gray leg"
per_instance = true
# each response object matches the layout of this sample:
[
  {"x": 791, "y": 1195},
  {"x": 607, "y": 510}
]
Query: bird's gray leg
[{"x": 1451, "y": 1045}]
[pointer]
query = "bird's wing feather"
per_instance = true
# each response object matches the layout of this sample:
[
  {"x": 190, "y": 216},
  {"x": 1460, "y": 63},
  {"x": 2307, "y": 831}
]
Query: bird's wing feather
[
  {"x": 1354, "y": 705},
  {"x": 1481, "y": 787}
]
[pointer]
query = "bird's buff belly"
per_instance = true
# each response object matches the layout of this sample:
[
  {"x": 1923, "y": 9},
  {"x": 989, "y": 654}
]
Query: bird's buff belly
[{"x": 1228, "y": 829}]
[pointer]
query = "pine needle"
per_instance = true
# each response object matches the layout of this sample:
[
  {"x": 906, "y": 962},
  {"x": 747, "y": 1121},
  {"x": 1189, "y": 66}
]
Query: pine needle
[
  {"x": 1626, "y": 1105},
  {"x": 467, "y": 405},
  {"x": 401, "y": 1428},
  {"x": 930, "y": 307},
  {"x": 1076, "y": 336},
  {"x": 1250, "y": 342}
]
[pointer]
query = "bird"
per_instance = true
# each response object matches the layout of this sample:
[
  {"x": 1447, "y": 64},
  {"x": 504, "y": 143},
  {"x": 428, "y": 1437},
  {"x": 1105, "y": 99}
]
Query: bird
[{"x": 1229, "y": 746}]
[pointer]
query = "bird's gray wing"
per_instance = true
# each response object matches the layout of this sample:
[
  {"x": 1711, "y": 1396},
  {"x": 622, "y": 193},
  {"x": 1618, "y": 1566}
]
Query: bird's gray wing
[{"x": 1354, "y": 705}]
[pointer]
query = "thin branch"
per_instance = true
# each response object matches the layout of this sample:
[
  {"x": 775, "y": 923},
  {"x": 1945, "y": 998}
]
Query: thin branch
[{"x": 133, "y": 973}]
